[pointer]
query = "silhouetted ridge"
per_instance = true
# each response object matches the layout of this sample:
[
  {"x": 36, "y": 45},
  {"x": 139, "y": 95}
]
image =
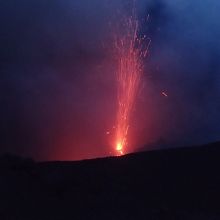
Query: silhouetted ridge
[{"x": 165, "y": 184}]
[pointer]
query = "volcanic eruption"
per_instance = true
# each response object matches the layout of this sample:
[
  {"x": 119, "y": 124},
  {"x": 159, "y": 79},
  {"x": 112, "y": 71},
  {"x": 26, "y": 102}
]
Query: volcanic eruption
[{"x": 131, "y": 50}]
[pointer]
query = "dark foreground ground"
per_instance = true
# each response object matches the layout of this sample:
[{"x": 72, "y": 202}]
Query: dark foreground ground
[{"x": 170, "y": 184}]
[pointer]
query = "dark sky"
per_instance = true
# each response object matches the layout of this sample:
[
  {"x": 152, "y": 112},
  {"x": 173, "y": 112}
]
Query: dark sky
[{"x": 57, "y": 75}]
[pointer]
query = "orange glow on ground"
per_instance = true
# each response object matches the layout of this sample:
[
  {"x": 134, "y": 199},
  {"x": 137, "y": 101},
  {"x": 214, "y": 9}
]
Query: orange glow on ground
[{"x": 119, "y": 149}]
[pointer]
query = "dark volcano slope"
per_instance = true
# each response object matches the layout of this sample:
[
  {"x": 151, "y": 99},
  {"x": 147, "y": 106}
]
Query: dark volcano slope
[{"x": 168, "y": 184}]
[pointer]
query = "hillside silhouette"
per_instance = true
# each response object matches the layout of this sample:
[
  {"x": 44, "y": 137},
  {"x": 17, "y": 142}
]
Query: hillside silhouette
[{"x": 169, "y": 184}]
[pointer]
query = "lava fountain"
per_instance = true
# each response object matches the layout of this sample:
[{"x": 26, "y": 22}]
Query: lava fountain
[{"x": 130, "y": 53}]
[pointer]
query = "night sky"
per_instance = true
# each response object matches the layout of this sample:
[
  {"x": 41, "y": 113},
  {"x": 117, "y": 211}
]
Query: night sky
[{"x": 57, "y": 76}]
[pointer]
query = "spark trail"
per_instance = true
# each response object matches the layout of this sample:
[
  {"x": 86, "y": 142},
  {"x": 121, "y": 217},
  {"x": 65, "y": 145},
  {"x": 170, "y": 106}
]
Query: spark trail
[{"x": 130, "y": 54}]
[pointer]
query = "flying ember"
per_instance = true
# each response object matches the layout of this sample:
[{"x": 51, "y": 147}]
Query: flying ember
[{"x": 130, "y": 51}]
